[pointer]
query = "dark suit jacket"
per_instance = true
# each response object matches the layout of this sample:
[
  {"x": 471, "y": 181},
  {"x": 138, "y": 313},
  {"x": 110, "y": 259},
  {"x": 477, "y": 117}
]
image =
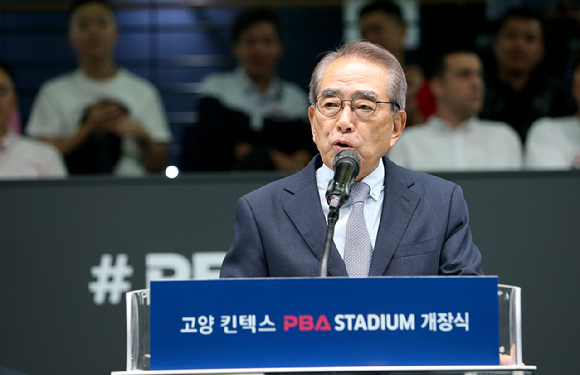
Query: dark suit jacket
[
  {"x": 424, "y": 229},
  {"x": 8, "y": 371}
]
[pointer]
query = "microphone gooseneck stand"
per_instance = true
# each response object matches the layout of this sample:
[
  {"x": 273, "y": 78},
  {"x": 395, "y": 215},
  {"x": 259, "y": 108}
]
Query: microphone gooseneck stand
[{"x": 332, "y": 219}]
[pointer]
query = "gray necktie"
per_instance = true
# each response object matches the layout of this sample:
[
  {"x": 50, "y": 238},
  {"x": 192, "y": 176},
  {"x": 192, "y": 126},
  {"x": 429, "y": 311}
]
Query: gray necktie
[{"x": 358, "y": 249}]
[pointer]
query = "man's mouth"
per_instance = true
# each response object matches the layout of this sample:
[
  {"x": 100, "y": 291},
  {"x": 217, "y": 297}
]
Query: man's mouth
[{"x": 340, "y": 145}]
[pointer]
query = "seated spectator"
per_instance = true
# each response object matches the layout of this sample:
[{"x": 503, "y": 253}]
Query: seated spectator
[
  {"x": 250, "y": 119},
  {"x": 554, "y": 143},
  {"x": 518, "y": 89},
  {"x": 21, "y": 157},
  {"x": 102, "y": 118},
  {"x": 454, "y": 139},
  {"x": 14, "y": 121},
  {"x": 382, "y": 23}
]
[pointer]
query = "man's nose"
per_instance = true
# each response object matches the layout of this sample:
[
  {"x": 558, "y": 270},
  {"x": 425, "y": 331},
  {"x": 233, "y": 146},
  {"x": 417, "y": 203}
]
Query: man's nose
[
  {"x": 345, "y": 118},
  {"x": 476, "y": 80}
]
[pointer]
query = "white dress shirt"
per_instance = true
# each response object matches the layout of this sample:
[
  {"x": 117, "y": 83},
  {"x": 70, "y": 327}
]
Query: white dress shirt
[
  {"x": 476, "y": 145},
  {"x": 554, "y": 143},
  {"x": 373, "y": 204}
]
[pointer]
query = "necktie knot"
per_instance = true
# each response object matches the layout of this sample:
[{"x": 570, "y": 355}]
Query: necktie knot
[{"x": 359, "y": 192}]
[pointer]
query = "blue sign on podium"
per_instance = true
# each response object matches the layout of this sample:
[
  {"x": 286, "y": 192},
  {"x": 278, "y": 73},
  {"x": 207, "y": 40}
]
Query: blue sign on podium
[{"x": 322, "y": 322}]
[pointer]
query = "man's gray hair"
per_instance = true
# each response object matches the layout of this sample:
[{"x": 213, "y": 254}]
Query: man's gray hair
[{"x": 396, "y": 86}]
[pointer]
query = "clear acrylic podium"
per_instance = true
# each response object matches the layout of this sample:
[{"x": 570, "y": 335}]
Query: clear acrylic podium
[{"x": 510, "y": 326}]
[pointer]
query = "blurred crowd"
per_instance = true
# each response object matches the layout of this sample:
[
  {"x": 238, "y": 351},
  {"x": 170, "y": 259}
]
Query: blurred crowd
[{"x": 512, "y": 106}]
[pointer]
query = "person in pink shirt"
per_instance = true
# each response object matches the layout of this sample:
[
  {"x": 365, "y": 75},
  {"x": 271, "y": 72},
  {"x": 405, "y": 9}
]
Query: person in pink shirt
[{"x": 22, "y": 157}]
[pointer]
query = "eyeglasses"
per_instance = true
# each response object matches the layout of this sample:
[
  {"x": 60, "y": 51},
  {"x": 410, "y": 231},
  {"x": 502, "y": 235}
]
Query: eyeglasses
[{"x": 362, "y": 106}]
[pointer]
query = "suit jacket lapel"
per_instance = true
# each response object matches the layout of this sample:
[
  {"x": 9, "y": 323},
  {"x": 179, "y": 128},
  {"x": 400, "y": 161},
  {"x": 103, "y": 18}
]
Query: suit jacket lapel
[
  {"x": 302, "y": 206},
  {"x": 398, "y": 207}
]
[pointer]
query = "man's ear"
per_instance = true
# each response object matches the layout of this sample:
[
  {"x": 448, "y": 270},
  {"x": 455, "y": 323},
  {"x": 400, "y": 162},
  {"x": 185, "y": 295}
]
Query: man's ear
[
  {"x": 311, "y": 118},
  {"x": 399, "y": 122}
]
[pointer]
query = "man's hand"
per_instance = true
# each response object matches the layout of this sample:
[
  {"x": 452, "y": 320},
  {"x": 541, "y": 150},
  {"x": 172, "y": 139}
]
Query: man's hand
[
  {"x": 113, "y": 118},
  {"x": 509, "y": 359},
  {"x": 104, "y": 116},
  {"x": 125, "y": 125}
]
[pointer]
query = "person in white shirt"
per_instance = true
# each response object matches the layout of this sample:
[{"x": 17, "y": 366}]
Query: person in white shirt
[
  {"x": 554, "y": 142},
  {"x": 21, "y": 157},
  {"x": 102, "y": 118},
  {"x": 454, "y": 139}
]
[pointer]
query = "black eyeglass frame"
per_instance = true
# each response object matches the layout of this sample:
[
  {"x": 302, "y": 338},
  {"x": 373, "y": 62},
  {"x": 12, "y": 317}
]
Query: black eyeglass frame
[{"x": 355, "y": 112}]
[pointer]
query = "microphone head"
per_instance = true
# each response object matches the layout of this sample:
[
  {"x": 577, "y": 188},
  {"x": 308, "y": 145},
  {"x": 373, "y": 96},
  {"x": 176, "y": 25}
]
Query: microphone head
[
  {"x": 346, "y": 165},
  {"x": 347, "y": 156}
]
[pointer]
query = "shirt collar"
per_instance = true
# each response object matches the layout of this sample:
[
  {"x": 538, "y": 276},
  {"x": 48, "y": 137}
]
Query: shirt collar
[
  {"x": 81, "y": 74},
  {"x": 273, "y": 88},
  {"x": 376, "y": 180},
  {"x": 443, "y": 124}
]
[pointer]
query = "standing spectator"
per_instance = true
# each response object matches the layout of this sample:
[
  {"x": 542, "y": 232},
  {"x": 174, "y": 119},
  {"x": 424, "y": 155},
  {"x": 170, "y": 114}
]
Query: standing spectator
[
  {"x": 454, "y": 139},
  {"x": 250, "y": 119},
  {"x": 519, "y": 91},
  {"x": 554, "y": 143},
  {"x": 103, "y": 118},
  {"x": 21, "y": 157},
  {"x": 381, "y": 22}
]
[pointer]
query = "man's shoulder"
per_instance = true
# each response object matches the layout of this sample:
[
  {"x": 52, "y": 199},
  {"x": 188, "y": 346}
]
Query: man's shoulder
[
  {"x": 414, "y": 134},
  {"x": 419, "y": 182},
  {"x": 9, "y": 371},
  {"x": 292, "y": 88},
  {"x": 555, "y": 122},
  {"x": 554, "y": 127},
  {"x": 497, "y": 127},
  {"x": 60, "y": 82},
  {"x": 418, "y": 130},
  {"x": 286, "y": 185},
  {"x": 217, "y": 83},
  {"x": 33, "y": 146},
  {"x": 492, "y": 123},
  {"x": 136, "y": 81},
  {"x": 289, "y": 185}
]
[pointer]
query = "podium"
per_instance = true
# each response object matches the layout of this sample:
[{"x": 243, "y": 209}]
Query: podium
[{"x": 387, "y": 345}]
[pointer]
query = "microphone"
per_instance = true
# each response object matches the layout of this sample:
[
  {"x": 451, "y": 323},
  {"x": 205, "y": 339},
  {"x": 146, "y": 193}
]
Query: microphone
[{"x": 346, "y": 166}]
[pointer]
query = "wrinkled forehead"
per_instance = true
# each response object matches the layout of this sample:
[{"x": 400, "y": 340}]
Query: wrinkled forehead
[{"x": 355, "y": 74}]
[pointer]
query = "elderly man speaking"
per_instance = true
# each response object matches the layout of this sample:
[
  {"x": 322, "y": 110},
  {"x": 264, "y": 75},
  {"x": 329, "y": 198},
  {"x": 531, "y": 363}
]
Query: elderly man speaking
[{"x": 397, "y": 222}]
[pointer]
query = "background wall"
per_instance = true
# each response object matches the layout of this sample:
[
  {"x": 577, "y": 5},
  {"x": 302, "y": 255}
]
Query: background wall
[{"x": 56, "y": 238}]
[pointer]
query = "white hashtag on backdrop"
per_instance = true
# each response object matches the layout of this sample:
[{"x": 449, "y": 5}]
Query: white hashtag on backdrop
[{"x": 110, "y": 279}]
